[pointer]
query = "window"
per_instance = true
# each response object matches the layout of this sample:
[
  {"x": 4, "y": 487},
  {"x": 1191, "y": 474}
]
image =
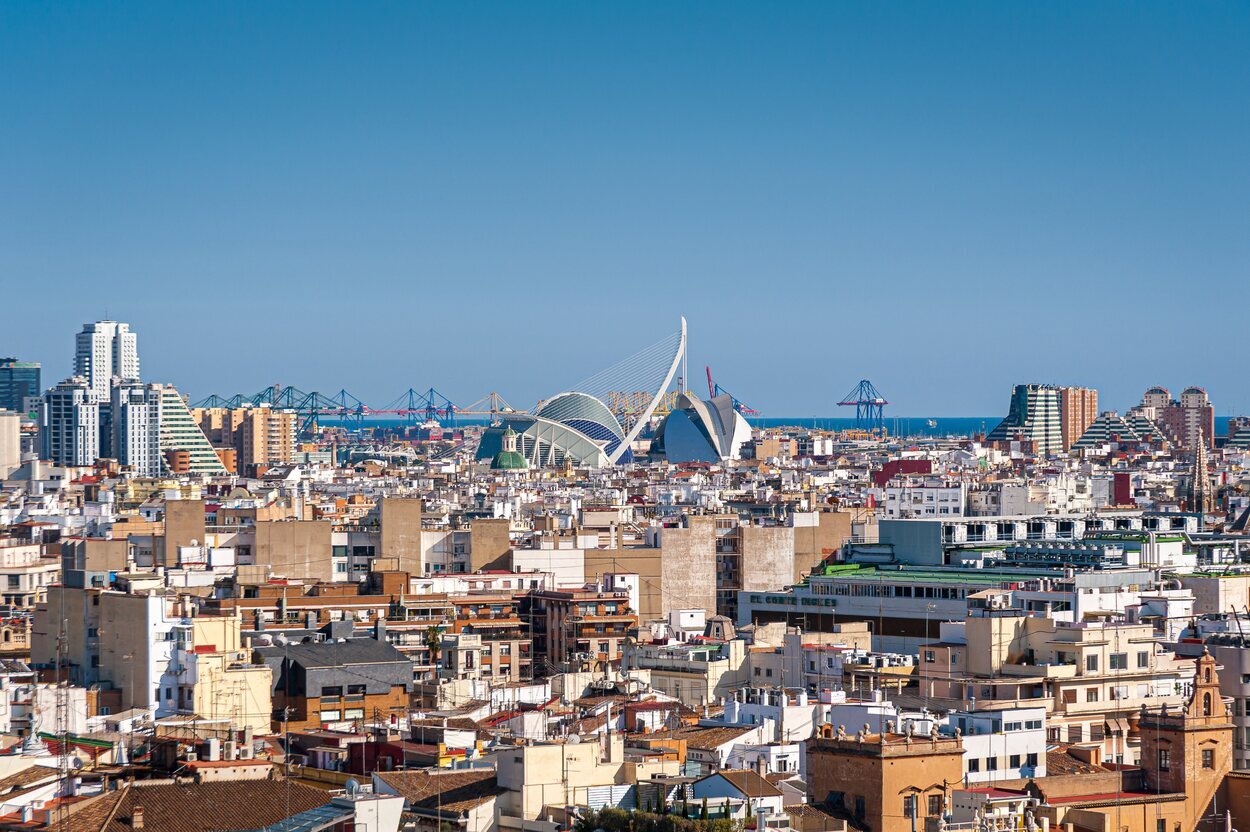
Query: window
[
  {"x": 355, "y": 690},
  {"x": 929, "y": 656},
  {"x": 1143, "y": 658},
  {"x": 1208, "y": 758},
  {"x": 1165, "y": 760},
  {"x": 1091, "y": 694},
  {"x": 354, "y": 713},
  {"x": 329, "y": 716},
  {"x": 1014, "y": 762},
  {"x": 1030, "y": 760},
  {"x": 909, "y": 806},
  {"x": 330, "y": 691},
  {"x": 1161, "y": 825},
  {"x": 1091, "y": 664},
  {"x": 974, "y": 765},
  {"x": 991, "y": 764},
  {"x": 859, "y": 806},
  {"x": 935, "y": 804},
  {"x": 1118, "y": 661}
]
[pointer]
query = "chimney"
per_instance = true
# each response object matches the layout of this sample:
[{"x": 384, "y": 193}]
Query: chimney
[
  {"x": 136, "y": 817},
  {"x": 258, "y": 619},
  {"x": 379, "y": 629}
]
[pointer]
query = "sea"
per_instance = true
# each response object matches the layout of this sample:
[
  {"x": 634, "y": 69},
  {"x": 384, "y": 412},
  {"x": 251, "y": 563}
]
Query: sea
[{"x": 937, "y": 426}]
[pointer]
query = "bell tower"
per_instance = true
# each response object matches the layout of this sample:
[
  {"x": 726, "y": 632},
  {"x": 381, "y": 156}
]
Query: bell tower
[{"x": 1189, "y": 750}]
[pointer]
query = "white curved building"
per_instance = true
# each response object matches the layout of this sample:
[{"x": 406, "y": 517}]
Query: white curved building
[
  {"x": 701, "y": 431},
  {"x": 577, "y": 426}
]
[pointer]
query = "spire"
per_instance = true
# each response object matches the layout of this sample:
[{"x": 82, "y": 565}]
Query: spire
[{"x": 1199, "y": 479}]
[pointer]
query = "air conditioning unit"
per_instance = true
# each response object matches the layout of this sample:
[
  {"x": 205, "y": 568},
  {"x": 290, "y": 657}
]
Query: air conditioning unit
[{"x": 192, "y": 756}]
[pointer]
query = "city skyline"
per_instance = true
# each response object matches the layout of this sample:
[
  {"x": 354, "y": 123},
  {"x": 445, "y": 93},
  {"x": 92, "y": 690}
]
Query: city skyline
[
  {"x": 947, "y": 201},
  {"x": 697, "y": 386}
]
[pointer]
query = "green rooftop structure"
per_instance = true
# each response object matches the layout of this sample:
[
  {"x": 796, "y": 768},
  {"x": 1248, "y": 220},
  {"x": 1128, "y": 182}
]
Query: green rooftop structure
[{"x": 509, "y": 458}]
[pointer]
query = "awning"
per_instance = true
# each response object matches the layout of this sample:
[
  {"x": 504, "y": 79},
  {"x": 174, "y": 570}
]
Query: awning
[{"x": 1117, "y": 726}]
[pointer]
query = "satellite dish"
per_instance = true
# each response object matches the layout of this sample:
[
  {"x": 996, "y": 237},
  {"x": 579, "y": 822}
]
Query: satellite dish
[
  {"x": 575, "y": 739},
  {"x": 352, "y": 786},
  {"x": 280, "y": 640}
]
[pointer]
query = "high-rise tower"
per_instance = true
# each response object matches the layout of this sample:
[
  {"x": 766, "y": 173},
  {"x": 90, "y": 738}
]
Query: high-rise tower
[{"x": 103, "y": 351}]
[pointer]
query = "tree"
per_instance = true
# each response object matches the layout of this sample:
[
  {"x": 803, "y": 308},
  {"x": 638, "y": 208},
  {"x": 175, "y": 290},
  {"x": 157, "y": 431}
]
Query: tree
[{"x": 434, "y": 641}]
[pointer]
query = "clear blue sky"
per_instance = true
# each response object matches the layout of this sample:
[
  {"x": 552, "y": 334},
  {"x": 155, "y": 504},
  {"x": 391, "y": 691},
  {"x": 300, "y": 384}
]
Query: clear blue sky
[{"x": 944, "y": 197}]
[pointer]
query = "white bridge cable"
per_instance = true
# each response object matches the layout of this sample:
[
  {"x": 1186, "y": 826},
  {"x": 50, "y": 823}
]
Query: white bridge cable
[{"x": 640, "y": 372}]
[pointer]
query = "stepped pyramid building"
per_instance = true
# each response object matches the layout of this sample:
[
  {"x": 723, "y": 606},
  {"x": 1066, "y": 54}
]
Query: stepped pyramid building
[{"x": 1112, "y": 428}]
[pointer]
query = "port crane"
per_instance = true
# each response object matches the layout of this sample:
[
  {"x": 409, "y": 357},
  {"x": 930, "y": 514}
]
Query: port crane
[
  {"x": 715, "y": 390},
  {"x": 869, "y": 406}
]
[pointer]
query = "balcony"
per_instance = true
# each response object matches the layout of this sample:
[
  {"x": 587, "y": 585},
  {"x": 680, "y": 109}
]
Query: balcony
[{"x": 1040, "y": 671}]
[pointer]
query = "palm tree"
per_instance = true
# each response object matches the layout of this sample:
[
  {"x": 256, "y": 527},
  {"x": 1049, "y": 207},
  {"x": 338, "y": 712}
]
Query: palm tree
[{"x": 434, "y": 641}]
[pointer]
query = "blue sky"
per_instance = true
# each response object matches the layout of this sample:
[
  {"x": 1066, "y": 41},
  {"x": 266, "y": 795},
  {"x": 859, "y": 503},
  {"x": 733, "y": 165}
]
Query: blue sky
[{"x": 944, "y": 197}]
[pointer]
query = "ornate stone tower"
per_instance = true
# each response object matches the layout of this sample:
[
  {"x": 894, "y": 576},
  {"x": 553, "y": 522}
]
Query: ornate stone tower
[
  {"x": 1190, "y": 750},
  {"x": 1199, "y": 496}
]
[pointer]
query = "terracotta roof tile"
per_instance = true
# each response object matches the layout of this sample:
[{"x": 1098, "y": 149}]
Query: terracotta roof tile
[{"x": 207, "y": 807}]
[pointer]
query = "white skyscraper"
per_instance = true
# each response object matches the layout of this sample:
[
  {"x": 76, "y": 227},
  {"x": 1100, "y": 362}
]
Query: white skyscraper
[
  {"x": 135, "y": 425},
  {"x": 69, "y": 423},
  {"x": 103, "y": 351}
]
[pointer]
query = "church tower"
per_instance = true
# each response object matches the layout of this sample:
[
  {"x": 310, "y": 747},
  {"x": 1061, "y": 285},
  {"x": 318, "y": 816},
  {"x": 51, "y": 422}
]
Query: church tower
[{"x": 1190, "y": 750}]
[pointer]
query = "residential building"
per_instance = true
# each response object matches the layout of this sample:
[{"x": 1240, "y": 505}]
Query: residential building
[
  {"x": 1034, "y": 420},
  {"x": 183, "y": 445},
  {"x": 135, "y": 423},
  {"x": 260, "y": 435},
  {"x": 25, "y": 574},
  {"x": 1091, "y": 676},
  {"x": 216, "y": 679},
  {"x": 1001, "y": 745},
  {"x": 1078, "y": 408},
  {"x": 69, "y": 424},
  {"x": 1189, "y": 420},
  {"x": 695, "y": 673},
  {"x": 584, "y": 627},
  {"x": 341, "y": 681},
  {"x": 115, "y": 640}
]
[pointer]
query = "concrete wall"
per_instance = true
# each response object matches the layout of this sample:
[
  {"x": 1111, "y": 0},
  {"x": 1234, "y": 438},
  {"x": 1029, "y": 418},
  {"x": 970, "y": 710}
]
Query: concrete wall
[
  {"x": 489, "y": 544},
  {"x": 1218, "y": 594},
  {"x": 184, "y": 522},
  {"x": 295, "y": 548},
  {"x": 401, "y": 532},
  {"x": 914, "y": 542},
  {"x": 818, "y": 535},
  {"x": 767, "y": 557},
  {"x": 688, "y": 570},
  {"x": 647, "y": 563}
]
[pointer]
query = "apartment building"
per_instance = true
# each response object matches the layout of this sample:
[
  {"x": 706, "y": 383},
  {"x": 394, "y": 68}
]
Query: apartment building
[
  {"x": 924, "y": 498},
  {"x": 1092, "y": 677},
  {"x": 260, "y": 435},
  {"x": 505, "y": 646},
  {"x": 122, "y": 641},
  {"x": 336, "y": 682},
  {"x": 696, "y": 674},
  {"x": 579, "y": 628},
  {"x": 25, "y": 573}
]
